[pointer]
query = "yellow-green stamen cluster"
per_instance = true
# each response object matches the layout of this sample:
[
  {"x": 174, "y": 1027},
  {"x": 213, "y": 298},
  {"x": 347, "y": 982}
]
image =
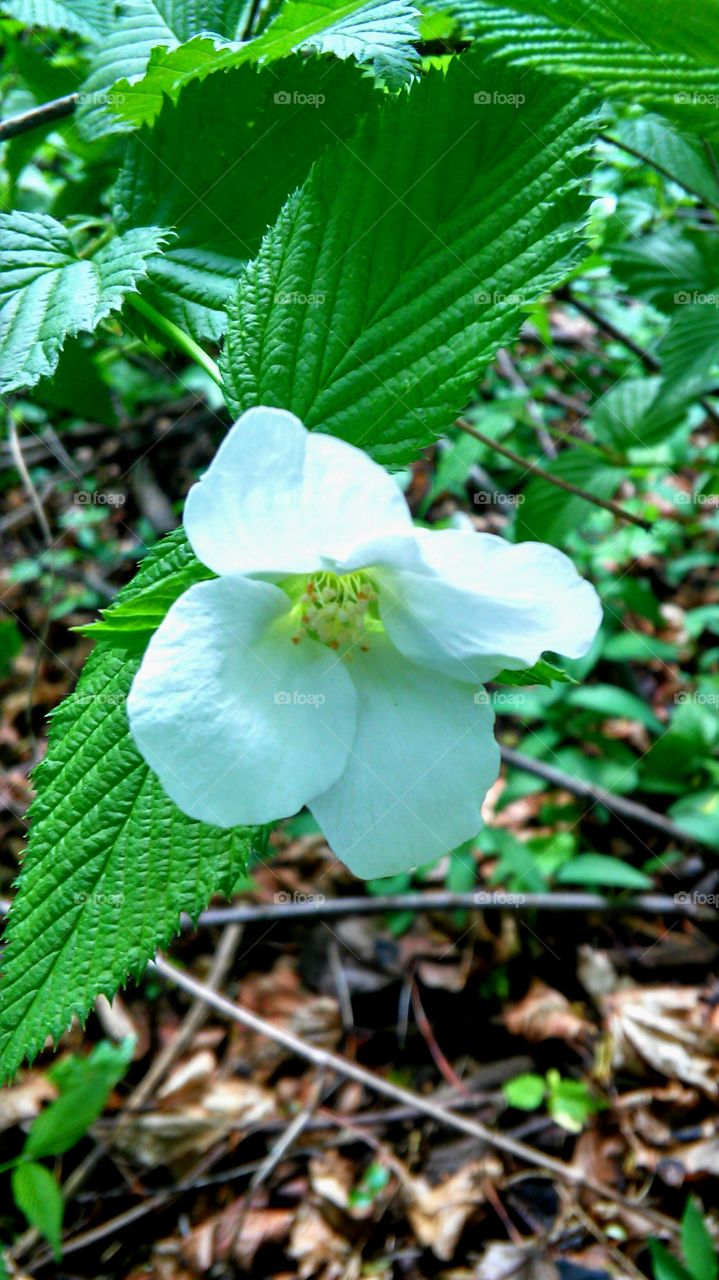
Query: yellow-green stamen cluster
[{"x": 336, "y": 609}]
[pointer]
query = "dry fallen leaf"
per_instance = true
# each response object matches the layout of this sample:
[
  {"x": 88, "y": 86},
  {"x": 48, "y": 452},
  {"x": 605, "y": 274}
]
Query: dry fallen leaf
[
  {"x": 665, "y": 1028},
  {"x": 197, "y": 1108},
  {"x": 438, "y": 1214},
  {"x": 546, "y": 1014},
  {"x": 319, "y": 1250},
  {"x": 23, "y": 1101}
]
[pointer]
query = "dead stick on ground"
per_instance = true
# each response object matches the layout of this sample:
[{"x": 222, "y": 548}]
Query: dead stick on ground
[
  {"x": 329, "y": 1061},
  {"x": 532, "y": 467}
]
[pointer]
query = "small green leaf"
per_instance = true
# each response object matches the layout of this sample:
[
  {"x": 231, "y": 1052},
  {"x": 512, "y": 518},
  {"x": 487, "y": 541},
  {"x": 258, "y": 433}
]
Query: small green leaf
[
  {"x": 544, "y": 673},
  {"x": 570, "y": 1102},
  {"x": 697, "y": 1245},
  {"x": 131, "y": 622},
  {"x": 84, "y": 1084},
  {"x": 664, "y": 1265},
  {"x": 48, "y": 293},
  {"x": 525, "y": 1092},
  {"x": 602, "y": 870},
  {"x": 37, "y": 1194}
]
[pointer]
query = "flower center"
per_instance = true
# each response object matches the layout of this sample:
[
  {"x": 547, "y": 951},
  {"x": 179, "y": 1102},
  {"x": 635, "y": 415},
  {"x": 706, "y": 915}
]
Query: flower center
[{"x": 336, "y": 609}]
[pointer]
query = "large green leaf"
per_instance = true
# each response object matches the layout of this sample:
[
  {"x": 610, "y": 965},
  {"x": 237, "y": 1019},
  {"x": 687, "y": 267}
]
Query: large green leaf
[
  {"x": 162, "y": 66},
  {"x": 89, "y": 18},
  {"x": 405, "y": 261},
  {"x": 549, "y": 513},
  {"x": 48, "y": 293},
  {"x": 221, "y": 192},
  {"x": 111, "y": 862},
  {"x": 636, "y": 50}
]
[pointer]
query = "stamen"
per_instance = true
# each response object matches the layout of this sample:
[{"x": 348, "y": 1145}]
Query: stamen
[{"x": 335, "y": 609}]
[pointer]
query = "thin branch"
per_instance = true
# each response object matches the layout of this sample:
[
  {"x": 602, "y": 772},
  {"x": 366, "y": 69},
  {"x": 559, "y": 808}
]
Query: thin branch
[
  {"x": 654, "y": 164},
  {"x": 630, "y": 809},
  {"x": 649, "y": 361},
  {"x": 605, "y": 503},
  {"x": 349, "y": 1070},
  {"x": 38, "y": 116},
  {"x": 445, "y": 900}
]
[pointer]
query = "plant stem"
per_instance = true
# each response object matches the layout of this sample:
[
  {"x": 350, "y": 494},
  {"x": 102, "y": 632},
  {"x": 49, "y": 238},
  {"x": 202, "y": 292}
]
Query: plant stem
[
  {"x": 38, "y": 116},
  {"x": 177, "y": 336}
]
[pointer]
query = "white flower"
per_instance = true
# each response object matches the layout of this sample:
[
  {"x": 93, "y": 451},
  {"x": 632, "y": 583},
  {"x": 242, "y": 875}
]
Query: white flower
[{"x": 335, "y": 660}]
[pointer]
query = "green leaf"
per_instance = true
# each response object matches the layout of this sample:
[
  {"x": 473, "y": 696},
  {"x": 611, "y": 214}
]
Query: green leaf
[
  {"x": 182, "y": 174},
  {"x": 608, "y": 700},
  {"x": 85, "y": 1084},
  {"x": 622, "y": 419},
  {"x": 633, "y": 50},
  {"x": 525, "y": 1092},
  {"x": 130, "y": 623},
  {"x": 10, "y": 644},
  {"x": 549, "y": 513},
  {"x": 668, "y": 266},
  {"x": 37, "y": 1194},
  {"x": 569, "y": 1102},
  {"x": 300, "y": 24},
  {"x": 89, "y": 18},
  {"x": 697, "y": 1245},
  {"x": 681, "y": 156},
  {"x": 601, "y": 870},
  {"x": 664, "y": 1265},
  {"x": 111, "y": 862},
  {"x": 48, "y": 293},
  {"x": 689, "y": 353},
  {"x": 379, "y": 33},
  {"x": 544, "y": 673},
  {"x": 406, "y": 259}
]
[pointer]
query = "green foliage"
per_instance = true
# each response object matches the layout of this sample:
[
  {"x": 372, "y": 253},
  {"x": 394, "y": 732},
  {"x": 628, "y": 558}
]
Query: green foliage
[
  {"x": 406, "y": 258},
  {"x": 48, "y": 293},
  {"x": 569, "y": 1102},
  {"x": 377, "y": 32},
  {"x": 111, "y": 862},
  {"x": 697, "y": 1247},
  {"x": 633, "y": 50},
  {"x": 221, "y": 193},
  {"x": 37, "y": 1194},
  {"x": 84, "y": 1085}
]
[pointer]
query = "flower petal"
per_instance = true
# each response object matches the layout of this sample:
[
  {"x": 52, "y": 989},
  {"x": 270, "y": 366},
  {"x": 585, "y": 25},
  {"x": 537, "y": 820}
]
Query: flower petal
[
  {"x": 240, "y": 725},
  {"x": 277, "y": 498},
  {"x": 422, "y": 760},
  {"x": 482, "y": 604}
]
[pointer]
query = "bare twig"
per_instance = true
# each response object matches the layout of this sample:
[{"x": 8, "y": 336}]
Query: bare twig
[
  {"x": 654, "y": 164},
  {"x": 630, "y": 809},
  {"x": 535, "y": 470},
  {"x": 446, "y": 900},
  {"x": 348, "y": 1070},
  {"x": 37, "y": 116},
  {"x": 649, "y": 361},
  {"x": 512, "y": 375}
]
